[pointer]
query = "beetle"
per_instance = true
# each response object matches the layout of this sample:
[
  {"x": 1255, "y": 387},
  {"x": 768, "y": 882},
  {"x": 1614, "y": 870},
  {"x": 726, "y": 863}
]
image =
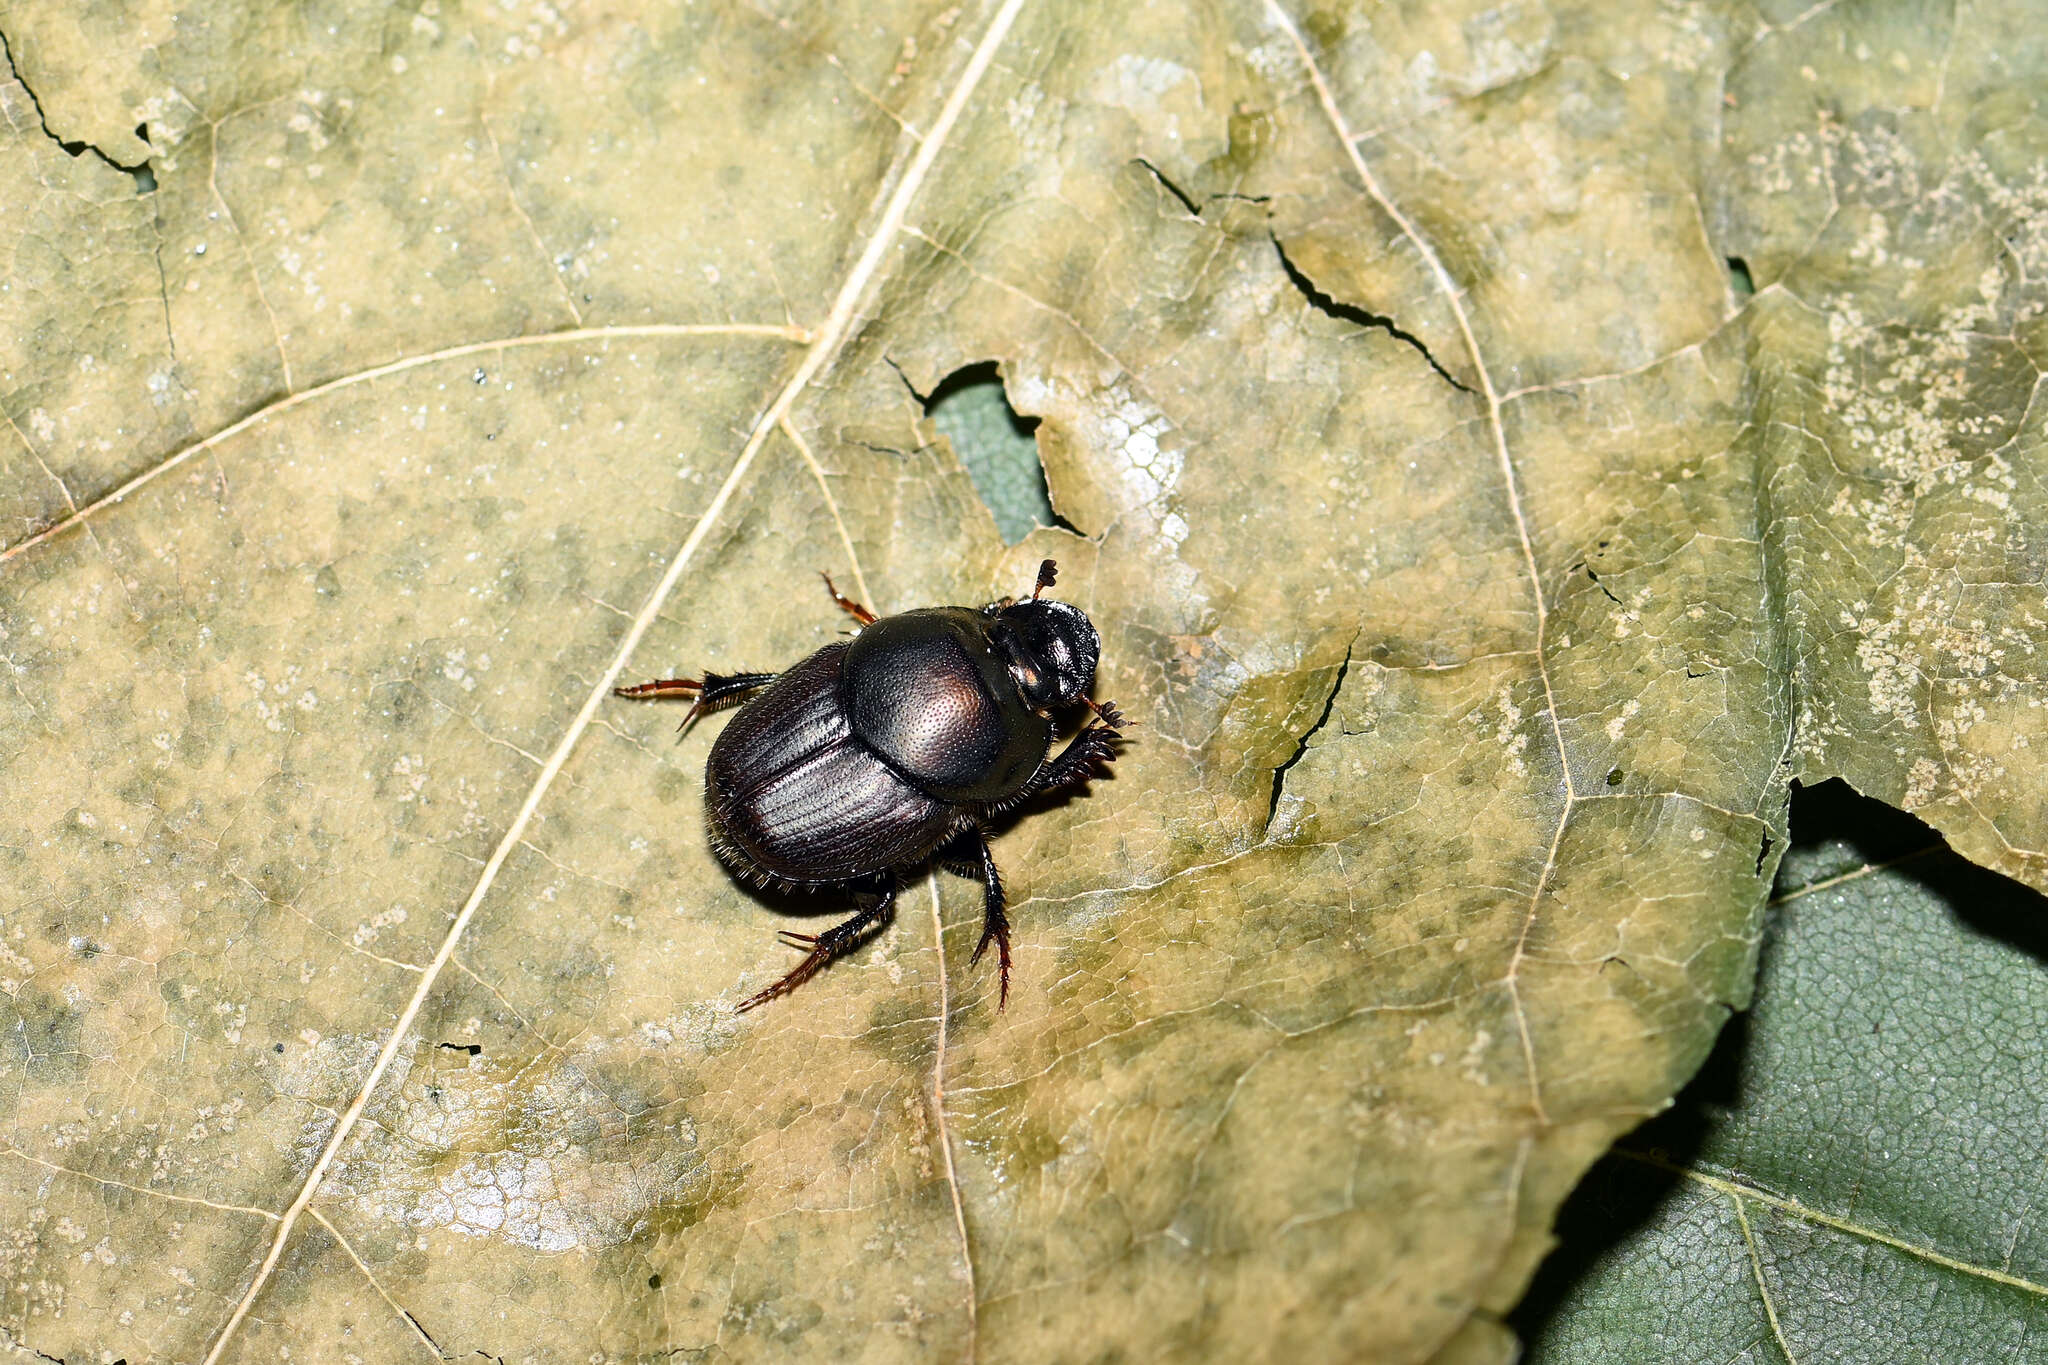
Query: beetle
[{"x": 878, "y": 753}]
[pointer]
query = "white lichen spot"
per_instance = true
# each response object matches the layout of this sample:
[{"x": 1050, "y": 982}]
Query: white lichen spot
[
  {"x": 366, "y": 933},
  {"x": 501, "y": 1161},
  {"x": 1922, "y": 783},
  {"x": 411, "y": 769},
  {"x": 1509, "y": 733},
  {"x": 1475, "y": 1057},
  {"x": 1143, "y": 84},
  {"x": 455, "y": 668},
  {"x": 233, "y": 1018}
]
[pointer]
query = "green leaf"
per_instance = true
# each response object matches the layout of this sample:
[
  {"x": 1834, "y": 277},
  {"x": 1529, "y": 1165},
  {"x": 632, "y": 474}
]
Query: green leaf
[
  {"x": 995, "y": 447},
  {"x": 1856, "y": 1173},
  {"x": 1478, "y": 561}
]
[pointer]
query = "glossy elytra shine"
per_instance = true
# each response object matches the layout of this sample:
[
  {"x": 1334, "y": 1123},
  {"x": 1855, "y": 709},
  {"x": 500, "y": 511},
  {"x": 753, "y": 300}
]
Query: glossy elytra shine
[{"x": 876, "y": 754}]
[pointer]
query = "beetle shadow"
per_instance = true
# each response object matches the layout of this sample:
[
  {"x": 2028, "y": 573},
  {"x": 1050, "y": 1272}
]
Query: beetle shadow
[
  {"x": 1049, "y": 801},
  {"x": 825, "y": 902},
  {"x": 1043, "y": 804}
]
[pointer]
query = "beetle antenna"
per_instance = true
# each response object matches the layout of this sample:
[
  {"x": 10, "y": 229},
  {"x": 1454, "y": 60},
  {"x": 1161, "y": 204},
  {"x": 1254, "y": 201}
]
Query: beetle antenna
[{"x": 1047, "y": 572}]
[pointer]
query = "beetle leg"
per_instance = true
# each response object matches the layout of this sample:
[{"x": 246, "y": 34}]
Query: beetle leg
[
  {"x": 847, "y": 604},
  {"x": 837, "y": 941},
  {"x": 1074, "y": 764},
  {"x": 995, "y": 925},
  {"x": 1111, "y": 717},
  {"x": 715, "y": 690}
]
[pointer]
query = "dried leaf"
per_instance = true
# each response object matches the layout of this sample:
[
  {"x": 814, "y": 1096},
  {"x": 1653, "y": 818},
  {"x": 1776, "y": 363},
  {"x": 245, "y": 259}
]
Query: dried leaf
[{"x": 1478, "y": 562}]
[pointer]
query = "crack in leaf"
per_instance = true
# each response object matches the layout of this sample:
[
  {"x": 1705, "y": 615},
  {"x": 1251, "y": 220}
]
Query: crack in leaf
[
  {"x": 15, "y": 1343},
  {"x": 1364, "y": 317},
  {"x": 140, "y": 172},
  {"x": 1186, "y": 201},
  {"x": 1301, "y": 748}
]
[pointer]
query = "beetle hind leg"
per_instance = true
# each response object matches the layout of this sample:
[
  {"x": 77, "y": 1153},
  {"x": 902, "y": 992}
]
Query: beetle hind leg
[
  {"x": 841, "y": 939},
  {"x": 847, "y": 604},
  {"x": 711, "y": 692}
]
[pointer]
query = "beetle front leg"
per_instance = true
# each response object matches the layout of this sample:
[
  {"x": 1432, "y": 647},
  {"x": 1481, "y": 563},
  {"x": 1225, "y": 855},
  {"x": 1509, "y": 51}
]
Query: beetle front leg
[
  {"x": 995, "y": 925},
  {"x": 837, "y": 941},
  {"x": 1075, "y": 764},
  {"x": 713, "y": 691}
]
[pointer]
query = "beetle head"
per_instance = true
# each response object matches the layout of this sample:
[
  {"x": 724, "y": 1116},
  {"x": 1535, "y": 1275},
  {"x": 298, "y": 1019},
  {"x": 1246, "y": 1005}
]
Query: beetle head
[{"x": 1051, "y": 649}]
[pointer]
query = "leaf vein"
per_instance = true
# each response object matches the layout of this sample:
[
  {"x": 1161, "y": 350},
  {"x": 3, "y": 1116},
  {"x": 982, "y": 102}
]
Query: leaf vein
[
  {"x": 939, "y": 1117},
  {"x": 1763, "y": 1288},
  {"x": 1454, "y": 300},
  {"x": 1736, "y": 1189},
  {"x": 398, "y": 366},
  {"x": 138, "y": 1189},
  {"x": 419, "y": 1332}
]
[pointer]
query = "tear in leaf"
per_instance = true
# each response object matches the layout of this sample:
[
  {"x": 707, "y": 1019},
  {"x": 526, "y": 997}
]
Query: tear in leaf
[{"x": 998, "y": 447}]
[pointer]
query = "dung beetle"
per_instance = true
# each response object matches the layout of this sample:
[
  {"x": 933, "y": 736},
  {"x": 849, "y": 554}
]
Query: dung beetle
[{"x": 877, "y": 753}]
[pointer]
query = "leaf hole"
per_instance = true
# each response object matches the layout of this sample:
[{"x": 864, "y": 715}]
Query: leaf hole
[
  {"x": 654, "y": 1281},
  {"x": 1739, "y": 278},
  {"x": 145, "y": 175},
  {"x": 1614, "y": 776},
  {"x": 473, "y": 1049},
  {"x": 998, "y": 446}
]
